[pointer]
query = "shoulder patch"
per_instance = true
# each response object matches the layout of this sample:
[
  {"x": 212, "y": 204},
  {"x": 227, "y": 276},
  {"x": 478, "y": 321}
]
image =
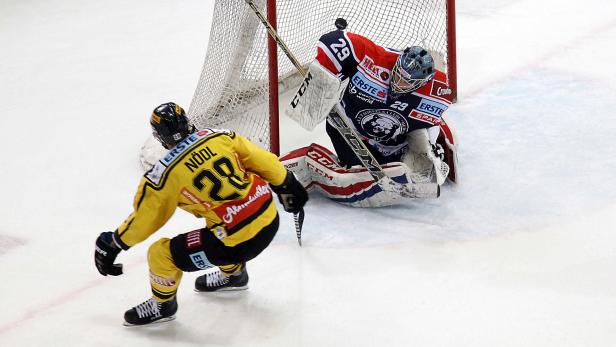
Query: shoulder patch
[
  {"x": 156, "y": 173},
  {"x": 440, "y": 89}
]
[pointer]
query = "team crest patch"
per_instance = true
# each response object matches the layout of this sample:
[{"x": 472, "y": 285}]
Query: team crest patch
[{"x": 382, "y": 124}]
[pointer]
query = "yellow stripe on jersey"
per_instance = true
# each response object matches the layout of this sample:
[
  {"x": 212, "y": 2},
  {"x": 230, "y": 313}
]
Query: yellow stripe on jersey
[{"x": 217, "y": 175}]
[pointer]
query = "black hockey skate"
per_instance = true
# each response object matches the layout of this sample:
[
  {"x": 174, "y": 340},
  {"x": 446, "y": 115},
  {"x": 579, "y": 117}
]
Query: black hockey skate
[
  {"x": 151, "y": 311},
  {"x": 217, "y": 281}
]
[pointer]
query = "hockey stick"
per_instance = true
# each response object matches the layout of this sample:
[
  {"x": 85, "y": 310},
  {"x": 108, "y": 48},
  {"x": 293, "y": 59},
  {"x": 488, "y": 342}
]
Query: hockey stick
[
  {"x": 274, "y": 34},
  {"x": 352, "y": 139},
  {"x": 299, "y": 222}
]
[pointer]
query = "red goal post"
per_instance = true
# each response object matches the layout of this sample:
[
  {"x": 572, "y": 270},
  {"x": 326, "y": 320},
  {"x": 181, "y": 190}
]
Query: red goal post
[{"x": 244, "y": 73}]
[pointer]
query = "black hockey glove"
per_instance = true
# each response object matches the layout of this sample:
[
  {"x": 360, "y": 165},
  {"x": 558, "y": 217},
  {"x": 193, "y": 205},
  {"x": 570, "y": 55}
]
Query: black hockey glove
[
  {"x": 105, "y": 253},
  {"x": 291, "y": 193},
  {"x": 438, "y": 151}
]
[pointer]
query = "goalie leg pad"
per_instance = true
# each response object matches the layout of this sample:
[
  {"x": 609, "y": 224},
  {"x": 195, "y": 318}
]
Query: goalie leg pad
[
  {"x": 295, "y": 162},
  {"x": 319, "y": 169},
  {"x": 355, "y": 186}
]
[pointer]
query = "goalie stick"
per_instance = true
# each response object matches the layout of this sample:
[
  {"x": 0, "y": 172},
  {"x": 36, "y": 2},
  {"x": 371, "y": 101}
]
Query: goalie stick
[{"x": 426, "y": 190}]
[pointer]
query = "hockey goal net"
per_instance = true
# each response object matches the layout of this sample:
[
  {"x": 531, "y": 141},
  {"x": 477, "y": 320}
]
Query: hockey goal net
[{"x": 234, "y": 91}]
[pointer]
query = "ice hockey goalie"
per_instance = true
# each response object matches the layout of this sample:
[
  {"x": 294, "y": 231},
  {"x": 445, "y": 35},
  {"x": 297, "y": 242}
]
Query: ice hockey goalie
[{"x": 393, "y": 100}]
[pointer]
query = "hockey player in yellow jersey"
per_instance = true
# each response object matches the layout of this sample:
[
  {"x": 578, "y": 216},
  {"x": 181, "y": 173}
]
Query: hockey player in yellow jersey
[{"x": 213, "y": 174}]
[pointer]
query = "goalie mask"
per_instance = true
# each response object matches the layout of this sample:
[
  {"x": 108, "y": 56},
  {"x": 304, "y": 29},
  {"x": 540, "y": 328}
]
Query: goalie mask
[
  {"x": 413, "y": 69},
  {"x": 170, "y": 125}
]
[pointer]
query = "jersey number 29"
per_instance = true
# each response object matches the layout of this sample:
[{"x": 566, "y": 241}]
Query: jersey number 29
[
  {"x": 340, "y": 49},
  {"x": 399, "y": 105}
]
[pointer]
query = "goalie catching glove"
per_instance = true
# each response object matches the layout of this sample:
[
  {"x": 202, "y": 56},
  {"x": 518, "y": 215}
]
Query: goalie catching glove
[
  {"x": 291, "y": 194},
  {"x": 105, "y": 253}
]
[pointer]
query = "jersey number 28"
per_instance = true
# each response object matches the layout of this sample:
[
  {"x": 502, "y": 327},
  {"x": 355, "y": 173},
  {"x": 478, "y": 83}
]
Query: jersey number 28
[{"x": 222, "y": 172}]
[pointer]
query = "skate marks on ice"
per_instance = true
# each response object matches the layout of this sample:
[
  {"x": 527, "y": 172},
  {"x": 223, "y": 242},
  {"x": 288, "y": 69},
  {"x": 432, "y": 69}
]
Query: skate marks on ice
[
  {"x": 534, "y": 151},
  {"x": 9, "y": 243},
  {"x": 199, "y": 317}
]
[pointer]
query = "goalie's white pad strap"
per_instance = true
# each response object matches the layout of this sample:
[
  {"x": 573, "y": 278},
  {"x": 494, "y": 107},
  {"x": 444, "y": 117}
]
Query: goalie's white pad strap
[
  {"x": 319, "y": 92},
  {"x": 433, "y": 133}
]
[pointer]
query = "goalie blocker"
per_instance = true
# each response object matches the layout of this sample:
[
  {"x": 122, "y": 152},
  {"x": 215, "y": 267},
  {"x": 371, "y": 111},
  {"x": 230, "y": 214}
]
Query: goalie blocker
[{"x": 319, "y": 92}]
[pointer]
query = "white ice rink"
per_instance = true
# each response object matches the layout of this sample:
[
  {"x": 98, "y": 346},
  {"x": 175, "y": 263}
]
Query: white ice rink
[{"x": 521, "y": 253}]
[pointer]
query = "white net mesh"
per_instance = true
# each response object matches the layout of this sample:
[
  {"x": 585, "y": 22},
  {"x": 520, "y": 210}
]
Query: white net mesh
[{"x": 232, "y": 91}]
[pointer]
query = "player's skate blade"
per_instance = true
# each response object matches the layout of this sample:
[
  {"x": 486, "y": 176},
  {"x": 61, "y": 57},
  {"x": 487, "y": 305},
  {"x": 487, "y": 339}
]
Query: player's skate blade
[
  {"x": 217, "y": 281},
  {"x": 151, "y": 311},
  {"x": 226, "y": 289},
  {"x": 162, "y": 320}
]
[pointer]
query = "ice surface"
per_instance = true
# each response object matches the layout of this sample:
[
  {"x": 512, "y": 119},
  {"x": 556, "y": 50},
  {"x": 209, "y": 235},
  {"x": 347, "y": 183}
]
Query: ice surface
[{"x": 521, "y": 253}]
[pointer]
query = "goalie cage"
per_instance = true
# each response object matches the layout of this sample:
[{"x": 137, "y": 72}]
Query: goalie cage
[{"x": 234, "y": 91}]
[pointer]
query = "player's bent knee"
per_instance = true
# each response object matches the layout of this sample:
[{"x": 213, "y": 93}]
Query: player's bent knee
[
  {"x": 159, "y": 255},
  {"x": 159, "y": 249},
  {"x": 188, "y": 253}
]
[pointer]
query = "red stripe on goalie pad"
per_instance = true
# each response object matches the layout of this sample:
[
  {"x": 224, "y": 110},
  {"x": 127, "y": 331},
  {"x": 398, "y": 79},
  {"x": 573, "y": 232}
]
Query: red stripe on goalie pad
[
  {"x": 328, "y": 159},
  {"x": 326, "y": 164},
  {"x": 322, "y": 171},
  {"x": 298, "y": 153},
  {"x": 344, "y": 191}
]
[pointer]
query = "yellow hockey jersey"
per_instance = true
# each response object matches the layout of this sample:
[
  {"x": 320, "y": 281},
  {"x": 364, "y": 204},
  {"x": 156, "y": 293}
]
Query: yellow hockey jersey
[{"x": 215, "y": 174}]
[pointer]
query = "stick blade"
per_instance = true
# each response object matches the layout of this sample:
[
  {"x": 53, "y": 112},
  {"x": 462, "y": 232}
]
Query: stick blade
[{"x": 299, "y": 223}]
